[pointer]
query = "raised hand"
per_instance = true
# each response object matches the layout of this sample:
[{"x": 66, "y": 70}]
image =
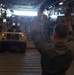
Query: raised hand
[
  {"x": 68, "y": 18},
  {"x": 41, "y": 9},
  {"x": 68, "y": 14}
]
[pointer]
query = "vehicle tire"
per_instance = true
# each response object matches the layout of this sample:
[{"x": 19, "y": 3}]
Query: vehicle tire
[
  {"x": 1, "y": 48},
  {"x": 23, "y": 48}
]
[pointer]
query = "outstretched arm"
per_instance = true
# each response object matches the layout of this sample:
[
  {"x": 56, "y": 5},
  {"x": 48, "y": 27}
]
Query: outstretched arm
[
  {"x": 41, "y": 9},
  {"x": 68, "y": 18},
  {"x": 36, "y": 35}
]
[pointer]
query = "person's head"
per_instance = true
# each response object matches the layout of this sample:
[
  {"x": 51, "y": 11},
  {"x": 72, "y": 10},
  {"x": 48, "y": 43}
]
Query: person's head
[
  {"x": 44, "y": 17},
  {"x": 60, "y": 31}
]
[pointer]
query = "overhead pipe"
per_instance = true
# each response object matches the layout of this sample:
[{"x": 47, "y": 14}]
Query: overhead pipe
[
  {"x": 7, "y": 3},
  {"x": 40, "y": 4}
]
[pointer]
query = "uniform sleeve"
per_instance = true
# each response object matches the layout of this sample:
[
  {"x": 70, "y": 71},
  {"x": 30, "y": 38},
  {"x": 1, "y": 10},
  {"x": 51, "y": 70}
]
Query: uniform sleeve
[
  {"x": 70, "y": 41},
  {"x": 41, "y": 45}
]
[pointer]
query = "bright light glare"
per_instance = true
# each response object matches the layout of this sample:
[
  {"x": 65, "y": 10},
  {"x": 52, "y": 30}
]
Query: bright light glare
[
  {"x": 53, "y": 16},
  {"x": 61, "y": 3},
  {"x": 25, "y": 13},
  {"x": 46, "y": 13},
  {"x": 9, "y": 13}
]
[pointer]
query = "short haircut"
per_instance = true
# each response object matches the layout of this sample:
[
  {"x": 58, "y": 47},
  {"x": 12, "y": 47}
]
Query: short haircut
[{"x": 61, "y": 30}]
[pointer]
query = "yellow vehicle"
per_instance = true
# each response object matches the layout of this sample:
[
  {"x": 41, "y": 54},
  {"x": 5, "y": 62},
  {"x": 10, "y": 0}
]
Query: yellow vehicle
[{"x": 13, "y": 40}]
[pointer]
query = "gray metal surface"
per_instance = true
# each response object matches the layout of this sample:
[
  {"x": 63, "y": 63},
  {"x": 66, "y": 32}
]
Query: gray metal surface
[
  {"x": 23, "y": 64},
  {"x": 20, "y": 64}
]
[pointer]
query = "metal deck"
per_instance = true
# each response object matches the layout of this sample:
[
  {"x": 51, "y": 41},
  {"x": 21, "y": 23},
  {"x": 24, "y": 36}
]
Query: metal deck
[{"x": 23, "y": 64}]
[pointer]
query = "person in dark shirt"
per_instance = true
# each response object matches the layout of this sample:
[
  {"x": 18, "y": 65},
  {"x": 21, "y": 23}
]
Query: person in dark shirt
[{"x": 56, "y": 58}]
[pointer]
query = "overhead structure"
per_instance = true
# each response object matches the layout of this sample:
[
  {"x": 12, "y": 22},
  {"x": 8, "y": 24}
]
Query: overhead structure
[{"x": 27, "y": 4}]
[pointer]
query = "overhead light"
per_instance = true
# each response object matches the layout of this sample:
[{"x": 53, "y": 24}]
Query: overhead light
[
  {"x": 9, "y": 13},
  {"x": 4, "y": 20},
  {"x": 13, "y": 24},
  {"x": 25, "y": 13},
  {"x": 46, "y": 13},
  {"x": 61, "y": 3},
  {"x": 53, "y": 16},
  {"x": 1, "y": 4},
  {"x": 50, "y": 7}
]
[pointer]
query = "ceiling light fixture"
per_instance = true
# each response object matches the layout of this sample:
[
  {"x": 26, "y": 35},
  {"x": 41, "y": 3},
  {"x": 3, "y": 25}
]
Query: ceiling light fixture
[
  {"x": 25, "y": 13},
  {"x": 61, "y": 3}
]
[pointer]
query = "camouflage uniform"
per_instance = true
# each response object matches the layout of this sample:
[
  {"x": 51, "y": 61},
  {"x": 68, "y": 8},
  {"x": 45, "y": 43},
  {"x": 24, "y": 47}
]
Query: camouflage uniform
[{"x": 55, "y": 58}]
